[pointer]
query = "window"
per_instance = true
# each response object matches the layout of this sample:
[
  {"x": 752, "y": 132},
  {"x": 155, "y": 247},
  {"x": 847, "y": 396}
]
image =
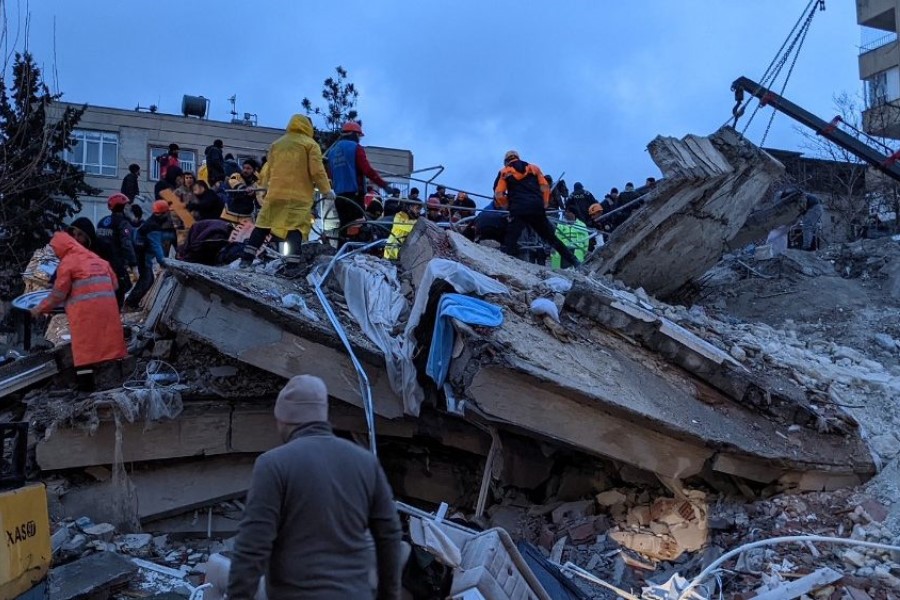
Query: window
[
  {"x": 96, "y": 152},
  {"x": 187, "y": 158}
]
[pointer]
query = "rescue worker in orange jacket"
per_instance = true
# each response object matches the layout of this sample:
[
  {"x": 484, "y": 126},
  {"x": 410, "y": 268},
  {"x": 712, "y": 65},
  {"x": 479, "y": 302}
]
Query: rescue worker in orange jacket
[
  {"x": 86, "y": 284},
  {"x": 521, "y": 188}
]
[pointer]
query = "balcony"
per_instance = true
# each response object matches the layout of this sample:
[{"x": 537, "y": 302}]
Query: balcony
[
  {"x": 879, "y": 55},
  {"x": 877, "y": 14},
  {"x": 883, "y": 120}
]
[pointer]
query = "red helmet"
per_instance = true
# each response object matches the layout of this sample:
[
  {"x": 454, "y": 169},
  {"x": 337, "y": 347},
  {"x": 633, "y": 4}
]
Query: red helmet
[
  {"x": 117, "y": 201},
  {"x": 160, "y": 207},
  {"x": 352, "y": 127}
]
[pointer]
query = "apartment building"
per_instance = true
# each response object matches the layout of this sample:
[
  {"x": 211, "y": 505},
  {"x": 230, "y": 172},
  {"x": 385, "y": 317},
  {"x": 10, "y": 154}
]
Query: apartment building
[
  {"x": 110, "y": 139},
  {"x": 879, "y": 66}
]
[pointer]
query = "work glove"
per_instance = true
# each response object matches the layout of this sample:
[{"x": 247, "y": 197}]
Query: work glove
[{"x": 330, "y": 195}]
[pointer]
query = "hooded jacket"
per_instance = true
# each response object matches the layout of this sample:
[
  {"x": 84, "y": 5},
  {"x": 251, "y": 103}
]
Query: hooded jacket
[
  {"x": 86, "y": 284},
  {"x": 295, "y": 166},
  {"x": 215, "y": 164},
  {"x": 207, "y": 205}
]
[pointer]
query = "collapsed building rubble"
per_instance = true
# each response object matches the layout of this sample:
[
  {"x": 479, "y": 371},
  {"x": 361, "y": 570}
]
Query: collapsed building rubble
[{"x": 633, "y": 438}]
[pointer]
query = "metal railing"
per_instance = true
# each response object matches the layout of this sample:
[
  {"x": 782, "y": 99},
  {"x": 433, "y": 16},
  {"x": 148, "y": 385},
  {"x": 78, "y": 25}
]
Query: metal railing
[{"x": 875, "y": 44}]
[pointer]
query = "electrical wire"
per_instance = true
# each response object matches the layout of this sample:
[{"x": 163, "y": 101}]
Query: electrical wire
[{"x": 714, "y": 566}]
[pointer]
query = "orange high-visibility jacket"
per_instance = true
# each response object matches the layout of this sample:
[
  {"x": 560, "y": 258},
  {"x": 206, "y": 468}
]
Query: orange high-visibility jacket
[{"x": 87, "y": 285}]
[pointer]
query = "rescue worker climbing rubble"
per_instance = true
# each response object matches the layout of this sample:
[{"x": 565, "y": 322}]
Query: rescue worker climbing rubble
[
  {"x": 348, "y": 167},
  {"x": 522, "y": 188},
  {"x": 86, "y": 284},
  {"x": 115, "y": 243},
  {"x": 293, "y": 172},
  {"x": 403, "y": 224},
  {"x": 575, "y": 235}
]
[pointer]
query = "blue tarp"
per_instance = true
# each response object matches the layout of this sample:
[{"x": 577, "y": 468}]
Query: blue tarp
[{"x": 471, "y": 311}]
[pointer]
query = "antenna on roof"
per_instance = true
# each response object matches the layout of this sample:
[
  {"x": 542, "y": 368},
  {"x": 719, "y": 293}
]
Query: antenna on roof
[{"x": 233, "y": 101}]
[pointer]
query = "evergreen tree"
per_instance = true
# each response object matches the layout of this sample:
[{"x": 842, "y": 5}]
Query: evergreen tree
[
  {"x": 340, "y": 101},
  {"x": 38, "y": 189}
]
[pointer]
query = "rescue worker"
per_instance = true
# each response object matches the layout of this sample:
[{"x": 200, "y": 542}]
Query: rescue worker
[
  {"x": 522, "y": 188},
  {"x": 348, "y": 167},
  {"x": 86, "y": 285},
  {"x": 575, "y": 235},
  {"x": 436, "y": 212},
  {"x": 580, "y": 202},
  {"x": 155, "y": 237},
  {"x": 403, "y": 224},
  {"x": 84, "y": 233},
  {"x": 115, "y": 243},
  {"x": 810, "y": 220},
  {"x": 312, "y": 506},
  {"x": 294, "y": 170}
]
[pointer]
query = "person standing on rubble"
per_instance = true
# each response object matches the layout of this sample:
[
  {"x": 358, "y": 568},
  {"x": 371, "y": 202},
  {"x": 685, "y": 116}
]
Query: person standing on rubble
[
  {"x": 215, "y": 163},
  {"x": 167, "y": 160},
  {"x": 522, "y": 188},
  {"x": 348, "y": 166},
  {"x": 86, "y": 285},
  {"x": 810, "y": 220},
  {"x": 155, "y": 237},
  {"x": 115, "y": 243},
  {"x": 293, "y": 172},
  {"x": 311, "y": 505},
  {"x": 580, "y": 202}
]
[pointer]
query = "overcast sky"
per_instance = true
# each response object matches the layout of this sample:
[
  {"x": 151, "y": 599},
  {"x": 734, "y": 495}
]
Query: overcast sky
[{"x": 579, "y": 86}]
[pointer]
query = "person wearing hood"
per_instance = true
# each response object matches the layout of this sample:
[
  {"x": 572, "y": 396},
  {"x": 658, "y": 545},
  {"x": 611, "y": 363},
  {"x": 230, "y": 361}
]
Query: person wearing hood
[
  {"x": 84, "y": 233},
  {"x": 522, "y": 188},
  {"x": 173, "y": 180},
  {"x": 215, "y": 162},
  {"x": 86, "y": 284},
  {"x": 348, "y": 167},
  {"x": 206, "y": 204},
  {"x": 294, "y": 171}
]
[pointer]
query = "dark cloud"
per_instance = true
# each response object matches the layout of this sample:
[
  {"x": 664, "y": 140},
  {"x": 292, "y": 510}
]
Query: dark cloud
[{"x": 578, "y": 86}]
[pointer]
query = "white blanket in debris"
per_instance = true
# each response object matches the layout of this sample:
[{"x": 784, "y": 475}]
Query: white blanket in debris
[{"x": 374, "y": 299}]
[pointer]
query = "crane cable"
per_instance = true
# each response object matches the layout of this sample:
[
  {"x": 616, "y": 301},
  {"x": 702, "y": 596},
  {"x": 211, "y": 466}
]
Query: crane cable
[{"x": 792, "y": 45}]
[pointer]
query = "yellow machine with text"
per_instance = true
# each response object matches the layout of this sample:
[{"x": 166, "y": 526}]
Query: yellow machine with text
[{"x": 25, "y": 551}]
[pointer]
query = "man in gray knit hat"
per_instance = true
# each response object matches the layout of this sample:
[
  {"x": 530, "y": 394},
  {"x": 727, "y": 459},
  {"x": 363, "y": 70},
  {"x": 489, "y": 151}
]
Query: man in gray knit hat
[{"x": 310, "y": 506}]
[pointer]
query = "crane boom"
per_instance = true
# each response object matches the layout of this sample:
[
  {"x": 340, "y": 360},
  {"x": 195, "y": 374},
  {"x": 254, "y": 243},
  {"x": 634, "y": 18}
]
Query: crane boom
[{"x": 829, "y": 130}]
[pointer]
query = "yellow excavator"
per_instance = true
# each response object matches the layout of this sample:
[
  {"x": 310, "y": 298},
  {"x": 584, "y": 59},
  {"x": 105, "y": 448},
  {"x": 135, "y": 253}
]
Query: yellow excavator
[{"x": 25, "y": 551}]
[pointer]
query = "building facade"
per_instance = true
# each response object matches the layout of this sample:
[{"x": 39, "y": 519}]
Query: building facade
[
  {"x": 879, "y": 66},
  {"x": 111, "y": 139}
]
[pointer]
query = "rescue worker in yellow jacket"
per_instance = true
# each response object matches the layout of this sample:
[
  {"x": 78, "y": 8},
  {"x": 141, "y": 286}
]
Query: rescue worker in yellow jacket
[
  {"x": 294, "y": 171},
  {"x": 404, "y": 221}
]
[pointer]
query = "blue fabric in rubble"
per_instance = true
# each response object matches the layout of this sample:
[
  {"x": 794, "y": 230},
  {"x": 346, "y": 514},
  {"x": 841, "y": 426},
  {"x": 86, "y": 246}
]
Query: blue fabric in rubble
[{"x": 471, "y": 311}]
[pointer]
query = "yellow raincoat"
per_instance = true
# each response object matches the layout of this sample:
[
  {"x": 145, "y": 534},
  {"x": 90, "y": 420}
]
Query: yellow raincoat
[
  {"x": 403, "y": 225},
  {"x": 294, "y": 171}
]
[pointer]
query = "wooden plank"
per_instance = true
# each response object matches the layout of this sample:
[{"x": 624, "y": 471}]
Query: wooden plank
[
  {"x": 804, "y": 585},
  {"x": 166, "y": 491},
  {"x": 178, "y": 206},
  {"x": 201, "y": 430}
]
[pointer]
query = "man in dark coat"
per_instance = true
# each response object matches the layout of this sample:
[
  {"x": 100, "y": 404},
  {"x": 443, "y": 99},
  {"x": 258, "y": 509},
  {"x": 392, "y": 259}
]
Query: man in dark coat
[
  {"x": 215, "y": 163},
  {"x": 311, "y": 504},
  {"x": 130, "y": 182}
]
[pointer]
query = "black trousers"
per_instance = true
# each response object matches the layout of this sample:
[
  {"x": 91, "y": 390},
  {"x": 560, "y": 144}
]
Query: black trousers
[
  {"x": 542, "y": 227},
  {"x": 350, "y": 207},
  {"x": 294, "y": 240}
]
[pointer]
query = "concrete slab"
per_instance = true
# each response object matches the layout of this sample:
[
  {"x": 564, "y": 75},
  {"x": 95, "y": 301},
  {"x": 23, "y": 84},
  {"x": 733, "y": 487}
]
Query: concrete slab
[{"x": 95, "y": 576}]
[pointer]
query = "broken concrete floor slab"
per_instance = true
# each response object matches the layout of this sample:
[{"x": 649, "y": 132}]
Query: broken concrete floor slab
[
  {"x": 711, "y": 187},
  {"x": 161, "y": 492},
  {"x": 94, "y": 577}
]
